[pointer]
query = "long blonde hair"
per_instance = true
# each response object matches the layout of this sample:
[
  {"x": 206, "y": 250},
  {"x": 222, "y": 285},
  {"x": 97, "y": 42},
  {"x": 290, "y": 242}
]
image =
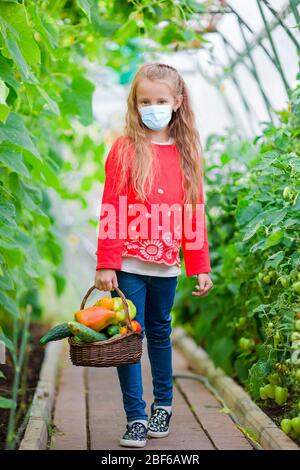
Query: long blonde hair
[{"x": 182, "y": 128}]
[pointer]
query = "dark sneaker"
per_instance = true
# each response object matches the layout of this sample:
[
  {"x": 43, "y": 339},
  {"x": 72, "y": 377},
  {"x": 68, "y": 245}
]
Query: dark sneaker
[
  {"x": 135, "y": 435},
  {"x": 158, "y": 424}
]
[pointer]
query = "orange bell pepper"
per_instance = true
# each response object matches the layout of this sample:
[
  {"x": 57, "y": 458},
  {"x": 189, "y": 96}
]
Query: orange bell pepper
[
  {"x": 123, "y": 330},
  {"x": 96, "y": 318}
]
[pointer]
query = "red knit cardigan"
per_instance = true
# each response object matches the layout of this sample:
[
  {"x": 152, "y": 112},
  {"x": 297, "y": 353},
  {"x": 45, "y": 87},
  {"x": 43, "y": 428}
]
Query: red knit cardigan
[{"x": 118, "y": 235}]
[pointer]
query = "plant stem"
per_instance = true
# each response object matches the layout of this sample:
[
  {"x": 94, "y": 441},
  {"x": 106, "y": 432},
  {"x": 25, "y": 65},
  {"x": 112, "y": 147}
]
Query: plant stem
[{"x": 18, "y": 366}]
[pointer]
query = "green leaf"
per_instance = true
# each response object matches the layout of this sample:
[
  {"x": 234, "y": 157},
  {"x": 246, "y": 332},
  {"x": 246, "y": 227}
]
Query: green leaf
[
  {"x": 15, "y": 132},
  {"x": 247, "y": 211},
  {"x": 6, "y": 282},
  {"x": 170, "y": 34},
  {"x": 127, "y": 30},
  {"x": 3, "y": 92},
  {"x": 7, "y": 403},
  {"x": 16, "y": 54},
  {"x": 225, "y": 158},
  {"x": 7, "y": 74},
  {"x": 2, "y": 376},
  {"x": 221, "y": 350},
  {"x": 251, "y": 231},
  {"x": 197, "y": 7},
  {"x": 7, "y": 342},
  {"x": 296, "y": 206},
  {"x": 273, "y": 239},
  {"x": 4, "y": 112},
  {"x": 257, "y": 246},
  {"x": 7, "y": 244},
  {"x": 86, "y": 6},
  {"x": 275, "y": 260},
  {"x": 106, "y": 28},
  {"x": 266, "y": 218},
  {"x": 60, "y": 283},
  {"x": 4, "y": 108},
  {"x": 7, "y": 212},
  {"x": 282, "y": 141},
  {"x": 77, "y": 100},
  {"x": 9, "y": 304},
  {"x": 13, "y": 160},
  {"x": 45, "y": 25},
  {"x": 50, "y": 102},
  {"x": 15, "y": 16},
  {"x": 241, "y": 369}
]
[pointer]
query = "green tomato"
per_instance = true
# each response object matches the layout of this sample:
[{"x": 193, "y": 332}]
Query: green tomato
[
  {"x": 113, "y": 330},
  {"x": 293, "y": 274},
  {"x": 295, "y": 336},
  {"x": 272, "y": 274},
  {"x": 296, "y": 286},
  {"x": 281, "y": 394},
  {"x": 267, "y": 279},
  {"x": 287, "y": 193},
  {"x": 297, "y": 375},
  {"x": 242, "y": 321},
  {"x": 246, "y": 344},
  {"x": 274, "y": 378},
  {"x": 286, "y": 425},
  {"x": 269, "y": 390},
  {"x": 270, "y": 324},
  {"x": 296, "y": 425},
  {"x": 260, "y": 276},
  {"x": 297, "y": 325},
  {"x": 276, "y": 339},
  {"x": 262, "y": 393},
  {"x": 284, "y": 280}
]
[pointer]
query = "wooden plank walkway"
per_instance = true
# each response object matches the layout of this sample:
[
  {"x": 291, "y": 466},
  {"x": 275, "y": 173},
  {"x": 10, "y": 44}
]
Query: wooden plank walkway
[{"x": 89, "y": 414}]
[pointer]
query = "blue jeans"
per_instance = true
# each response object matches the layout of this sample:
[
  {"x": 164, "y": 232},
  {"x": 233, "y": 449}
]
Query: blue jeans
[{"x": 153, "y": 297}]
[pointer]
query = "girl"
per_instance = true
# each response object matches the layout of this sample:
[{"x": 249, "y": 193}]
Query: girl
[{"x": 156, "y": 166}]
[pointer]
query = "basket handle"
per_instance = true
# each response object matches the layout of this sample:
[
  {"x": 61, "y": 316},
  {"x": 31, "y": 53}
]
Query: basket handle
[{"x": 125, "y": 304}]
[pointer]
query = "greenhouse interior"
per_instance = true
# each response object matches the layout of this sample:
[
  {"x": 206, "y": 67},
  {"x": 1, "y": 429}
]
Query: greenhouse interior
[{"x": 67, "y": 71}]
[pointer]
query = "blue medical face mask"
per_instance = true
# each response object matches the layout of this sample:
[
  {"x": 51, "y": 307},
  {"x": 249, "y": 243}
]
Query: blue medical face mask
[{"x": 156, "y": 117}]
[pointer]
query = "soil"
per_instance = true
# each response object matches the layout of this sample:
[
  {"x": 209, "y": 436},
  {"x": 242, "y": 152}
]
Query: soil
[
  {"x": 271, "y": 409},
  {"x": 35, "y": 358},
  {"x": 274, "y": 412}
]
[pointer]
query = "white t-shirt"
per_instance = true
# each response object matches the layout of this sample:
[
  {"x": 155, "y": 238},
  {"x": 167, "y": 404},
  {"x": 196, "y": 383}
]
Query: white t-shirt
[{"x": 131, "y": 264}]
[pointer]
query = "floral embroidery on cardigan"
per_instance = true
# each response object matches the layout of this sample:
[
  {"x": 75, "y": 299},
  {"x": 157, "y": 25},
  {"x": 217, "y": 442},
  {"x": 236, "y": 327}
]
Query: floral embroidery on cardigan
[{"x": 157, "y": 251}]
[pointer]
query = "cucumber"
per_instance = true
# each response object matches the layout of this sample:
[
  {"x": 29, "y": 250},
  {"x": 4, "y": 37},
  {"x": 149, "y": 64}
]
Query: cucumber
[
  {"x": 77, "y": 340},
  {"x": 57, "y": 332},
  {"x": 116, "y": 336},
  {"x": 113, "y": 330},
  {"x": 84, "y": 333}
]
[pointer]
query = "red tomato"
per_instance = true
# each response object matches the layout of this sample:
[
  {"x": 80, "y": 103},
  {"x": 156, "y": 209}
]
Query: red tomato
[{"x": 136, "y": 326}]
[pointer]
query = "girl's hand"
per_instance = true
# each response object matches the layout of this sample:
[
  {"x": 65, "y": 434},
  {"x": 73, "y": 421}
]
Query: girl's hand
[
  {"x": 106, "y": 279},
  {"x": 205, "y": 284}
]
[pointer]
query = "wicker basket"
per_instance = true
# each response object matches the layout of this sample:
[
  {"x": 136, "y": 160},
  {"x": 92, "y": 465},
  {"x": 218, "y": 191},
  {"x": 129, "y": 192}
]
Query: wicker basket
[{"x": 126, "y": 349}]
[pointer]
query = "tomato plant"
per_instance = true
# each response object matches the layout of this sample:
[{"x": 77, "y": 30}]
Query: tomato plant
[{"x": 253, "y": 214}]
